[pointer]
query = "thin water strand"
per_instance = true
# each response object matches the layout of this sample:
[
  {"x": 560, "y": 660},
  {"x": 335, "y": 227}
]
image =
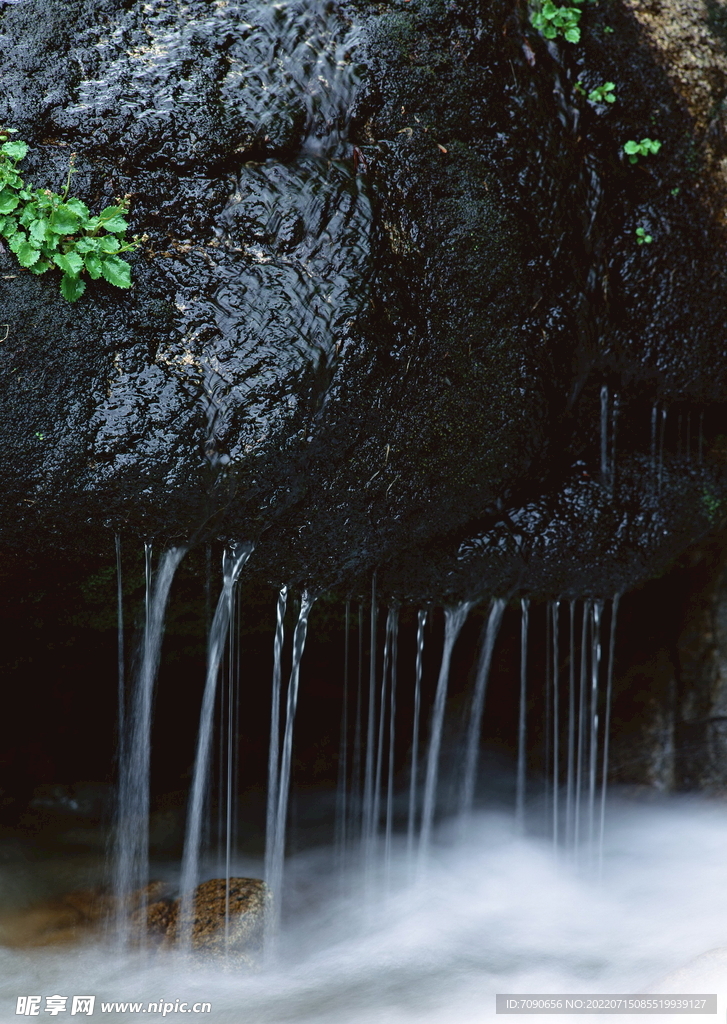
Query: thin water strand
[
  {"x": 412, "y": 816},
  {"x": 474, "y": 729},
  {"x": 131, "y": 855},
  {"x": 522, "y": 717},
  {"x": 555, "y": 610},
  {"x": 454, "y": 619},
  {"x": 367, "y": 822},
  {"x": 342, "y": 787},
  {"x": 593, "y": 745},
  {"x": 120, "y": 661},
  {"x": 233, "y": 561},
  {"x": 607, "y": 728},
  {"x": 569, "y": 791},
  {"x": 275, "y": 878},
  {"x": 389, "y": 826},
  {"x": 580, "y": 758},
  {"x": 373, "y": 835},
  {"x": 274, "y": 746}
]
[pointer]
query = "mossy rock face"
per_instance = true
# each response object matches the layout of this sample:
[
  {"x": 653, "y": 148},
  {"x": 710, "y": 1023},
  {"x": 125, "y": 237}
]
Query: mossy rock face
[{"x": 389, "y": 279}]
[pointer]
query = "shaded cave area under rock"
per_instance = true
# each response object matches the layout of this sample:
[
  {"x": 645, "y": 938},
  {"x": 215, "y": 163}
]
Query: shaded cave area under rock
[{"x": 391, "y": 316}]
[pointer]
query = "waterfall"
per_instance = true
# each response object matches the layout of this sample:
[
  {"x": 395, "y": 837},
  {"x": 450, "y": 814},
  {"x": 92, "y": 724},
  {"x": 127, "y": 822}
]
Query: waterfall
[
  {"x": 367, "y": 814},
  {"x": 411, "y": 822},
  {"x": 570, "y": 767},
  {"x": 472, "y": 748},
  {"x": 341, "y": 835},
  {"x": 607, "y": 728},
  {"x": 373, "y": 830},
  {"x": 555, "y": 609},
  {"x": 394, "y": 643},
  {"x": 581, "y": 725},
  {"x": 593, "y": 742},
  {"x": 522, "y": 717},
  {"x": 277, "y": 841},
  {"x": 356, "y": 804},
  {"x": 131, "y": 860},
  {"x": 274, "y": 747},
  {"x": 120, "y": 661},
  {"x": 454, "y": 619},
  {"x": 233, "y": 561},
  {"x": 230, "y": 720}
]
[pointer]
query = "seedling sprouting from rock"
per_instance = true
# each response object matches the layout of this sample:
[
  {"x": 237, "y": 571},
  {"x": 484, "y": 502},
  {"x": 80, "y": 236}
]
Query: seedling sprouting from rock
[
  {"x": 642, "y": 237},
  {"x": 647, "y": 147},
  {"x": 551, "y": 20},
  {"x": 603, "y": 93},
  {"x": 48, "y": 231}
]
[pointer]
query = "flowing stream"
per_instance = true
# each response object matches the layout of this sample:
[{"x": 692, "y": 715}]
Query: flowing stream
[{"x": 497, "y": 913}]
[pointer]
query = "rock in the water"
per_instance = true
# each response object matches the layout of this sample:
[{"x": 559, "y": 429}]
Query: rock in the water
[
  {"x": 72, "y": 917},
  {"x": 247, "y": 904}
]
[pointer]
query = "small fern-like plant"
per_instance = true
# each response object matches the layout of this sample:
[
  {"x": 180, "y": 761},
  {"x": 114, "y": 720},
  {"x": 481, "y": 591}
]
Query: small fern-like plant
[{"x": 47, "y": 231}]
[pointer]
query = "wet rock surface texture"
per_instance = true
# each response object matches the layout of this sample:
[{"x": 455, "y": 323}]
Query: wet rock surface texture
[{"x": 391, "y": 310}]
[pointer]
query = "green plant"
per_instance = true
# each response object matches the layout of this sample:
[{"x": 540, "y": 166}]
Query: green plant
[
  {"x": 608, "y": 30},
  {"x": 646, "y": 147},
  {"x": 675, "y": 191},
  {"x": 603, "y": 93},
  {"x": 712, "y": 505},
  {"x": 642, "y": 237},
  {"x": 551, "y": 20},
  {"x": 48, "y": 231}
]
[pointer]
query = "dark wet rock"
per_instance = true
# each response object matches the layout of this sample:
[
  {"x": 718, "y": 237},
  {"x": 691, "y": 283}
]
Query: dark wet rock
[{"x": 390, "y": 274}]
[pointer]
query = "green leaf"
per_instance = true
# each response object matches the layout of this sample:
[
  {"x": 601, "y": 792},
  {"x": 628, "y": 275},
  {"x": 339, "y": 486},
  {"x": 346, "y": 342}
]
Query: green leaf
[
  {"x": 29, "y": 214},
  {"x": 84, "y": 245},
  {"x": 27, "y": 254},
  {"x": 94, "y": 266},
  {"x": 631, "y": 147},
  {"x": 72, "y": 288},
  {"x": 64, "y": 221},
  {"x": 572, "y": 35},
  {"x": 40, "y": 267},
  {"x": 44, "y": 201},
  {"x": 116, "y": 224},
  {"x": 109, "y": 244},
  {"x": 17, "y": 240},
  {"x": 8, "y": 202},
  {"x": 79, "y": 208},
  {"x": 39, "y": 229},
  {"x": 111, "y": 211},
  {"x": 117, "y": 272},
  {"x": 9, "y": 227},
  {"x": 71, "y": 263},
  {"x": 14, "y": 150}
]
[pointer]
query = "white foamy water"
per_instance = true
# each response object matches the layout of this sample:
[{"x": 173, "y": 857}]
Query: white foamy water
[{"x": 497, "y": 914}]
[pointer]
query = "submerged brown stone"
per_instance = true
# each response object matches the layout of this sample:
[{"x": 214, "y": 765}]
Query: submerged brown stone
[
  {"x": 244, "y": 905},
  {"x": 81, "y": 914}
]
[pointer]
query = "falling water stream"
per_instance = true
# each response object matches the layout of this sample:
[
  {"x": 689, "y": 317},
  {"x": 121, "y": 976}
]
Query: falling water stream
[
  {"x": 233, "y": 562},
  {"x": 131, "y": 862}
]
